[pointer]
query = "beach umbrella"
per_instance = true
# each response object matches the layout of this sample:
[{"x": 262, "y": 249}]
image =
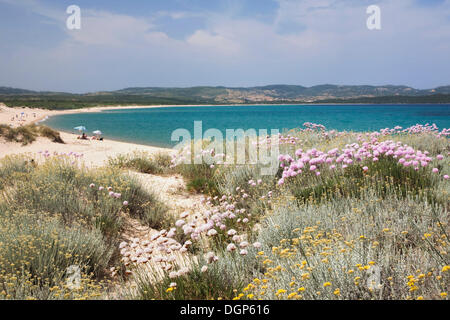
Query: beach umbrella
[
  {"x": 97, "y": 132},
  {"x": 80, "y": 128}
]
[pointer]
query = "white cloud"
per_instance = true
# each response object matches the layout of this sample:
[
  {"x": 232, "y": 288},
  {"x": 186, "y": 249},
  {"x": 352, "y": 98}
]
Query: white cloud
[
  {"x": 309, "y": 42},
  {"x": 105, "y": 28},
  {"x": 220, "y": 44}
]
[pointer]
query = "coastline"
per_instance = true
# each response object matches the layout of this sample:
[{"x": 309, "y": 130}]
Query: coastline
[{"x": 95, "y": 153}]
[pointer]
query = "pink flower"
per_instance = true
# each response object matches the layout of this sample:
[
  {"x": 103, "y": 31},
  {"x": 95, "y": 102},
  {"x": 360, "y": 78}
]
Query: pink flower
[
  {"x": 231, "y": 247},
  {"x": 125, "y": 203},
  {"x": 243, "y": 244},
  {"x": 243, "y": 252},
  {"x": 365, "y": 169},
  {"x": 446, "y": 177},
  {"x": 212, "y": 232},
  {"x": 180, "y": 223},
  {"x": 435, "y": 170},
  {"x": 439, "y": 157}
]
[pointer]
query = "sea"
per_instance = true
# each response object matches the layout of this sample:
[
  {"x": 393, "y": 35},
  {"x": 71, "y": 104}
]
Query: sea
[{"x": 154, "y": 126}]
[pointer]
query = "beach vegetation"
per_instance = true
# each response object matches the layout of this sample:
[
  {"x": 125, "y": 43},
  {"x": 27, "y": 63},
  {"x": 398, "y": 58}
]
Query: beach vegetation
[{"x": 27, "y": 134}]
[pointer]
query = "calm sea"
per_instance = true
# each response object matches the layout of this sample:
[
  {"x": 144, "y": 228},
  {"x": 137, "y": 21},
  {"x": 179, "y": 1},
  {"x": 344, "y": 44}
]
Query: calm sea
[{"x": 155, "y": 126}]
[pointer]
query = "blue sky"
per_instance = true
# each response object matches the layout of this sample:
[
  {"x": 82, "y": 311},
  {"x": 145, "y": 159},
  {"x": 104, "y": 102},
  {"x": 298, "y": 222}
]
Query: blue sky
[{"x": 222, "y": 42}]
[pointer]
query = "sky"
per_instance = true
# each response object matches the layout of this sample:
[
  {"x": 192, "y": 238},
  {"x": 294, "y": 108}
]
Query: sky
[{"x": 234, "y": 43}]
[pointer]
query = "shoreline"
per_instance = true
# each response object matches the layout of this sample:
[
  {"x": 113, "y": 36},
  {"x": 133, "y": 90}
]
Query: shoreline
[
  {"x": 95, "y": 153},
  {"x": 101, "y": 149}
]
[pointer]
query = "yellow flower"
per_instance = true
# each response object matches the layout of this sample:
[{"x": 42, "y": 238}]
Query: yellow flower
[
  {"x": 443, "y": 294},
  {"x": 327, "y": 284},
  {"x": 250, "y": 296},
  {"x": 305, "y": 276},
  {"x": 292, "y": 295},
  {"x": 337, "y": 292},
  {"x": 445, "y": 268},
  {"x": 169, "y": 290},
  {"x": 301, "y": 289},
  {"x": 419, "y": 298},
  {"x": 280, "y": 291},
  {"x": 371, "y": 263}
]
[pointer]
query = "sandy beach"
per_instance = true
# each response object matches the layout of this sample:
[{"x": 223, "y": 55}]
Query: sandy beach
[{"x": 94, "y": 152}]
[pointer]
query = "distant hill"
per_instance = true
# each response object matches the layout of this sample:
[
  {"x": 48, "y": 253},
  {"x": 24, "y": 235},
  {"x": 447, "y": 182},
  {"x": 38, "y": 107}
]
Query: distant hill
[{"x": 326, "y": 93}]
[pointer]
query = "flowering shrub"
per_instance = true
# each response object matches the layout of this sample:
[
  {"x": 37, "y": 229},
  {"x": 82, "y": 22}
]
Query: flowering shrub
[
  {"x": 58, "y": 214},
  {"x": 349, "y": 216}
]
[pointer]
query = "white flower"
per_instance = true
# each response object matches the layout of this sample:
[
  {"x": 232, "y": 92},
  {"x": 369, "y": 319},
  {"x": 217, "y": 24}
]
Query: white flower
[
  {"x": 243, "y": 252},
  {"x": 231, "y": 232},
  {"x": 231, "y": 247},
  {"x": 122, "y": 245},
  {"x": 180, "y": 223},
  {"x": 184, "y": 214},
  {"x": 168, "y": 267},
  {"x": 211, "y": 257},
  {"x": 212, "y": 232},
  {"x": 187, "y": 243},
  {"x": 257, "y": 245},
  {"x": 204, "y": 268},
  {"x": 171, "y": 234},
  {"x": 173, "y": 275},
  {"x": 173, "y": 285},
  {"x": 182, "y": 271},
  {"x": 148, "y": 250},
  {"x": 243, "y": 244},
  {"x": 142, "y": 260}
]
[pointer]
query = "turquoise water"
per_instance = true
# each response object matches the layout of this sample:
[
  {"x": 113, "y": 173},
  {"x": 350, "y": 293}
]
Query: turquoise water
[{"x": 155, "y": 126}]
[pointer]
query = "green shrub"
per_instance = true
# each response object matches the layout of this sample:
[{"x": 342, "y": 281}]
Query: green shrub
[
  {"x": 142, "y": 162},
  {"x": 36, "y": 251},
  {"x": 13, "y": 168},
  {"x": 27, "y": 134},
  {"x": 222, "y": 279},
  {"x": 341, "y": 241},
  {"x": 386, "y": 176},
  {"x": 53, "y": 135}
]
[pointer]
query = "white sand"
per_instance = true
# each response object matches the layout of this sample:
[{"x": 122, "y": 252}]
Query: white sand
[{"x": 95, "y": 152}]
